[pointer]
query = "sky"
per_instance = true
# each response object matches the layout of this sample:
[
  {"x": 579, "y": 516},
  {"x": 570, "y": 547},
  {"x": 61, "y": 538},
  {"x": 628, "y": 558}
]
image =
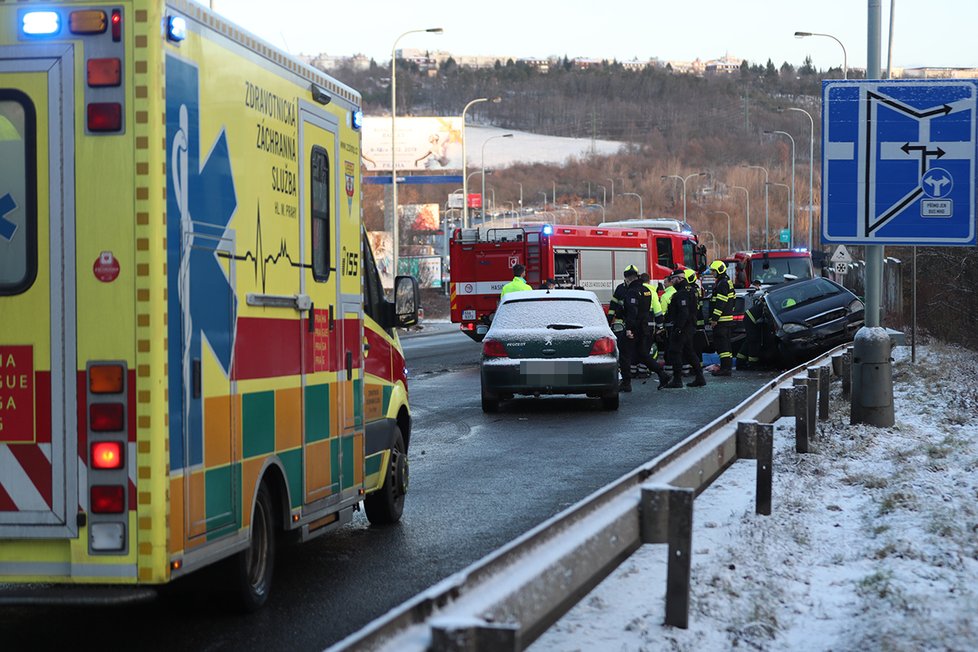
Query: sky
[{"x": 926, "y": 33}]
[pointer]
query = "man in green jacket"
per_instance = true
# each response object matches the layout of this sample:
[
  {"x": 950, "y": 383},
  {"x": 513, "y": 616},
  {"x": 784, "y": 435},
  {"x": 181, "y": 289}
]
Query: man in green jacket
[{"x": 518, "y": 284}]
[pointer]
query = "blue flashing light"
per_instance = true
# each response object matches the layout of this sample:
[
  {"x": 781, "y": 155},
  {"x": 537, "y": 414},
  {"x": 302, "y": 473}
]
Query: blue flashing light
[
  {"x": 547, "y": 229},
  {"x": 800, "y": 250},
  {"x": 357, "y": 119},
  {"x": 176, "y": 28},
  {"x": 41, "y": 23}
]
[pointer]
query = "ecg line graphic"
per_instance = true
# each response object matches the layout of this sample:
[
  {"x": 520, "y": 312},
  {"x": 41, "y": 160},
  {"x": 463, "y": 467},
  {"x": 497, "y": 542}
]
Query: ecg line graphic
[{"x": 258, "y": 257}]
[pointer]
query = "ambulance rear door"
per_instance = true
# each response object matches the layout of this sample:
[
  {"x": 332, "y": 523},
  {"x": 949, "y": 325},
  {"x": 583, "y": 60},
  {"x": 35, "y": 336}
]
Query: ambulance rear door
[{"x": 38, "y": 381}]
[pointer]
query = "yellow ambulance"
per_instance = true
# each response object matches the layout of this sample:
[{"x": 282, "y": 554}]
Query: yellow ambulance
[{"x": 197, "y": 358}]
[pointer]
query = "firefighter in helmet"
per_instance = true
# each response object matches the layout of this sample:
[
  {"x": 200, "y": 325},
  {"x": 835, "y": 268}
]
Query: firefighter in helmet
[{"x": 721, "y": 318}]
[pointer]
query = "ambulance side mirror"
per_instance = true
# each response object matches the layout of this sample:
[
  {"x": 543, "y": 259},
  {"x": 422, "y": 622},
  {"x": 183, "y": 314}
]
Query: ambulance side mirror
[{"x": 407, "y": 301}]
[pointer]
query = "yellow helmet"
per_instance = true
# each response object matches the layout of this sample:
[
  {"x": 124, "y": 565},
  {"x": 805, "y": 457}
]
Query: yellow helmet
[
  {"x": 631, "y": 270},
  {"x": 690, "y": 275},
  {"x": 718, "y": 266}
]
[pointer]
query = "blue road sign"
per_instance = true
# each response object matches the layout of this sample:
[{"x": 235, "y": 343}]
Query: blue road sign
[{"x": 898, "y": 162}]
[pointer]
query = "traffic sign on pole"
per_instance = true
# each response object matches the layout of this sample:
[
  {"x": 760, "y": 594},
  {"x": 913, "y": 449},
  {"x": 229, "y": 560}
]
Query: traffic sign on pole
[
  {"x": 898, "y": 164},
  {"x": 841, "y": 268},
  {"x": 841, "y": 255}
]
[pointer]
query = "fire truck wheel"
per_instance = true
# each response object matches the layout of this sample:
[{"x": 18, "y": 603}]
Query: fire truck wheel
[
  {"x": 255, "y": 566},
  {"x": 610, "y": 401},
  {"x": 385, "y": 506}
]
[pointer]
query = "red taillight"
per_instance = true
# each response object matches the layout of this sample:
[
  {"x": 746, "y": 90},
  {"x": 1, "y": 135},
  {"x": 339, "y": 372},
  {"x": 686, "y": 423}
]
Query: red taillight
[
  {"x": 107, "y": 499},
  {"x": 468, "y": 326},
  {"x": 604, "y": 346},
  {"x": 106, "y": 455},
  {"x": 494, "y": 349},
  {"x": 104, "y": 116},
  {"x": 106, "y": 417},
  {"x": 116, "y": 25}
]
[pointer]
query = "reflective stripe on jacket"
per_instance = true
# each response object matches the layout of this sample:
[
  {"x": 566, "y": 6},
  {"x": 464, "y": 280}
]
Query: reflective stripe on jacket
[{"x": 723, "y": 299}]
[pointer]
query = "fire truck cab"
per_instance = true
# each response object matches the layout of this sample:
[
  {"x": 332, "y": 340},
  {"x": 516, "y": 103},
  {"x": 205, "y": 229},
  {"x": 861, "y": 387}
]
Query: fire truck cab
[
  {"x": 583, "y": 257},
  {"x": 771, "y": 266}
]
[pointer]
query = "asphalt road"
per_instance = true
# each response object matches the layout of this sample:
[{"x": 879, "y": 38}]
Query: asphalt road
[{"x": 477, "y": 482}]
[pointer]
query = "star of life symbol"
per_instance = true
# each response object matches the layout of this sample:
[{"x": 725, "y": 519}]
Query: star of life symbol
[{"x": 7, "y": 227}]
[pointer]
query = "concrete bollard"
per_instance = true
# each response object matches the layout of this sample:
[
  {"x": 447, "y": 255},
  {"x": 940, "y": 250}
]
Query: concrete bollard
[{"x": 872, "y": 378}]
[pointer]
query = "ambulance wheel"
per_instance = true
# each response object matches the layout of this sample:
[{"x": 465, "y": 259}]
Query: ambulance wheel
[
  {"x": 385, "y": 506},
  {"x": 256, "y": 565},
  {"x": 610, "y": 401}
]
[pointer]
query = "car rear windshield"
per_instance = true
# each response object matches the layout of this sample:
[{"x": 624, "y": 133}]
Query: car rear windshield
[{"x": 556, "y": 314}]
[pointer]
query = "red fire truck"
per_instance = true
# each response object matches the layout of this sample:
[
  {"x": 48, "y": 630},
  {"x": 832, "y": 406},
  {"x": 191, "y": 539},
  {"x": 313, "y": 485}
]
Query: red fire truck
[{"x": 587, "y": 257}]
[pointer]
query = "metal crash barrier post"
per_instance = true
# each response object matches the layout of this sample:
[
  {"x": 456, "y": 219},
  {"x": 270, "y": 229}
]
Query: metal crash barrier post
[
  {"x": 667, "y": 517},
  {"x": 755, "y": 441}
]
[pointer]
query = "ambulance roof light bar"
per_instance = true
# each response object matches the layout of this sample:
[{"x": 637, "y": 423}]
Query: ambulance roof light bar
[{"x": 40, "y": 23}]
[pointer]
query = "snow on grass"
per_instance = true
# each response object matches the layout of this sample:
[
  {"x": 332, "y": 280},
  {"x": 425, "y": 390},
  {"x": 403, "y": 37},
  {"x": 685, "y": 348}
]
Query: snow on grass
[{"x": 872, "y": 543}]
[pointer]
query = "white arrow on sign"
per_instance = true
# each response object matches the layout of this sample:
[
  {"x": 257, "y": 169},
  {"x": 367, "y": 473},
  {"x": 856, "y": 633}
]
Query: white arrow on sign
[{"x": 841, "y": 255}]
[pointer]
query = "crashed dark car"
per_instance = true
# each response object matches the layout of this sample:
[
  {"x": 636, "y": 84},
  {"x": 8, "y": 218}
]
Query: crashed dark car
[
  {"x": 802, "y": 319},
  {"x": 549, "y": 342}
]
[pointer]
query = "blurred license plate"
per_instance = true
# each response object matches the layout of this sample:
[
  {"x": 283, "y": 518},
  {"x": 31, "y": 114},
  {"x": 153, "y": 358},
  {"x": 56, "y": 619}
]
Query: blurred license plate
[
  {"x": 468, "y": 315},
  {"x": 551, "y": 367}
]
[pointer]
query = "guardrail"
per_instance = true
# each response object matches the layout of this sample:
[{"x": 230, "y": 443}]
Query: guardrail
[{"x": 510, "y": 597}]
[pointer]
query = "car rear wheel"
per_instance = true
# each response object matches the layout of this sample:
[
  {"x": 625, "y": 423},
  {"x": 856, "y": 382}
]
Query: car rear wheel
[
  {"x": 490, "y": 402},
  {"x": 610, "y": 401}
]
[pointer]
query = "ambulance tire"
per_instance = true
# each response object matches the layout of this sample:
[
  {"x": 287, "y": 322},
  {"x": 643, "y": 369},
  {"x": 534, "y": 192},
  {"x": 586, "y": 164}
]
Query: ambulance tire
[
  {"x": 385, "y": 506},
  {"x": 254, "y": 567}
]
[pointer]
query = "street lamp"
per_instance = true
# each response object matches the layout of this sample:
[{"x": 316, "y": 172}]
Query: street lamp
[
  {"x": 394, "y": 235},
  {"x": 612, "y": 190},
  {"x": 544, "y": 198},
  {"x": 484, "y": 170},
  {"x": 845, "y": 65},
  {"x": 728, "y": 228},
  {"x": 604, "y": 195},
  {"x": 811, "y": 172},
  {"x": 465, "y": 189},
  {"x": 684, "y": 180},
  {"x": 575, "y": 214},
  {"x": 791, "y": 226},
  {"x": 788, "y": 210},
  {"x": 746, "y": 192},
  {"x": 635, "y": 194},
  {"x": 716, "y": 252},
  {"x": 767, "y": 235}
]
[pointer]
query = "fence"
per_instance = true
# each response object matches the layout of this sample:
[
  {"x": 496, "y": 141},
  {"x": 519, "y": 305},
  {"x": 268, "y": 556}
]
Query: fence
[
  {"x": 507, "y": 599},
  {"x": 891, "y": 300}
]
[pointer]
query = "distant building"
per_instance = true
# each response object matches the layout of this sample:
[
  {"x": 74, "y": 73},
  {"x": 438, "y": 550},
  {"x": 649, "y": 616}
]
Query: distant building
[
  {"x": 695, "y": 67},
  {"x": 726, "y": 66},
  {"x": 939, "y": 73}
]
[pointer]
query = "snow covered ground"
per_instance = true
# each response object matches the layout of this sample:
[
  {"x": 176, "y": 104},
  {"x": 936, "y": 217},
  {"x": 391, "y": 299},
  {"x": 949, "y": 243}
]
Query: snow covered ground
[
  {"x": 525, "y": 147},
  {"x": 872, "y": 543}
]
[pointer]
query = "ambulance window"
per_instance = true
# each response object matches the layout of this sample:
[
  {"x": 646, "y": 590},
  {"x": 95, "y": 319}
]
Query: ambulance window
[
  {"x": 663, "y": 249},
  {"x": 319, "y": 191},
  {"x": 18, "y": 216}
]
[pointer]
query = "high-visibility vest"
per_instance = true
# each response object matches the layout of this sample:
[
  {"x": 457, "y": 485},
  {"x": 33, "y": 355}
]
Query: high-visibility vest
[{"x": 516, "y": 285}]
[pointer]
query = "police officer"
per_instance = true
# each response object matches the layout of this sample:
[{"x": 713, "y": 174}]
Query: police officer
[
  {"x": 683, "y": 319},
  {"x": 721, "y": 318},
  {"x": 518, "y": 284},
  {"x": 617, "y": 314},
  {"x": 616, "y": 307}
]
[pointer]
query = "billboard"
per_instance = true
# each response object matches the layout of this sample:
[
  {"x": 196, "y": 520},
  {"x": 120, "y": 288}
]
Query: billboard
[
  {"x": 419, "y": 217},
  {"x": 427, "y": 269},
  {"x": 422, "y": 144}
]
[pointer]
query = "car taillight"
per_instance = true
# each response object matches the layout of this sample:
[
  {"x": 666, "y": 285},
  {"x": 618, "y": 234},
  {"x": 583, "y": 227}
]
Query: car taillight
[
  {"x": 106, "y": 455},
  {"x": 494, "y": 349},
  {"x": 107, "y": 499},
  {"x": 604, "y": 346}
]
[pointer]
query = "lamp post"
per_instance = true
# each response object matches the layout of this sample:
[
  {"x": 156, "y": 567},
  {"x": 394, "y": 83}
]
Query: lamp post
[
  {"x": 512, "y": 208},
  {"x": 767, "y": 234},
  {"x": 465, "y": 188},
  {"x": 788, "y": 209},
  {"x": 521, "y": 195},
  {"x": 394, "y": 222},
  {"x": 575, "y": 214},
  {"x": 635, "y": 194},
  {"x": 604, "y": 195},
  {"x": 747, "y": 193},
  {"x": 544, "y": 198},
  {"x": 791, "y": 224},
  {"x": 484, "y": 170},
  {"x": 811, "y": 172},
  {"x": 716, "y": 252},
  {"x": 728, "y": 228},
  {"x": 684, "y": 180},
  {"x": 555, "y": 192},
  {"x": 612, "y": 190},
  {"x": 845, "y": 65}
]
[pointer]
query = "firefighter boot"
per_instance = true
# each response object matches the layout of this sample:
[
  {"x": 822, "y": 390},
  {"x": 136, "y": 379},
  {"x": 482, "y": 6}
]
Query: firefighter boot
[
  {"x": 699, "y": 382},
  {"x": 663, "y": 379},
  {"x": 724, "y": 370},
  {"x": 677, "y": 378}
]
